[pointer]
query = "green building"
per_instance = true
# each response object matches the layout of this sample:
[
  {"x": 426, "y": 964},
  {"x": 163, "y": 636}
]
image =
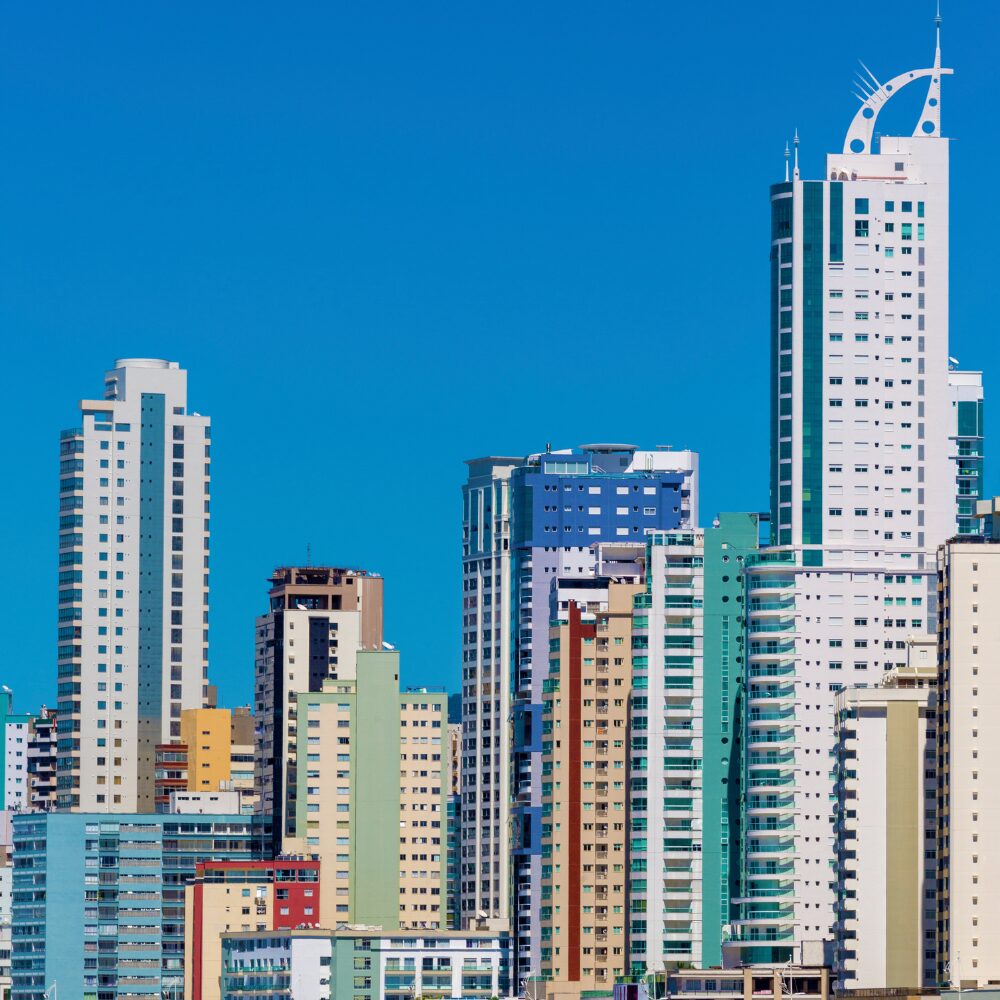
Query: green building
[
  {"x": 371, "y": 790},
  {"x": 685, "y": 757}
]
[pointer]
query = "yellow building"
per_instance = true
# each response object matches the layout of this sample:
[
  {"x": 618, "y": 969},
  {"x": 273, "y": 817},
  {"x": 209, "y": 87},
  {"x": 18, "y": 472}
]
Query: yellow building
[
  {"x": 207, "y": 734},
  {"x": 584, "y": 789}
]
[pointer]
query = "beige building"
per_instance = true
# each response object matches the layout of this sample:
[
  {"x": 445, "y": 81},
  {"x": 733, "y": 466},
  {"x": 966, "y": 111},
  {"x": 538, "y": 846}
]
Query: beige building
[
  {"x": 584, "y": 788},
  {"x": 233, "y": 896},
  {"x": 373, "y": 781},
  {"x": 969, "y": 755},
  {"x": 318, "y": 618},
  {"x": 885, "y": 829}
]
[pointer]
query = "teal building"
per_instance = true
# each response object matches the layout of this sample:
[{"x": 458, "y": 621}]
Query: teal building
[
  {"x": 98, "y": 899},
  {"x": 685, "y": 744}
]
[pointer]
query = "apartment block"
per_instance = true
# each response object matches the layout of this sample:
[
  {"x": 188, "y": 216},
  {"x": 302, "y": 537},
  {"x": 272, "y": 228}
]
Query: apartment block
[
  {"x": 42, "y": 762},
  {"x": 686, "y": 758},
  {"x": 371, "y": 802},
  {"x": 484, "y": 808},
  {"x": 134, "y": 494},
  {"x": 365, "y": 963},
  {"x": 15, "y": 742},
  {"x": 563, "y": 506},
  {"x": 585, "y": 751},
  {"x": 233, "y": 896},
  {"x": 207, "y": 758},
  {"x": 318, "y": 619},
  {"x": 98, "y": 903},
  {"x": 870, "y": 470},
  {"x": 968, "y": 753},
  {"x": 886, "y": 829}
]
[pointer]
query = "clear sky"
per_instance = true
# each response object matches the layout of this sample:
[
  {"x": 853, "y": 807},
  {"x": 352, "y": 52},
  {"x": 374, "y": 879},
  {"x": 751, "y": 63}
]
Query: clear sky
[{"x": 387, "y": 237}]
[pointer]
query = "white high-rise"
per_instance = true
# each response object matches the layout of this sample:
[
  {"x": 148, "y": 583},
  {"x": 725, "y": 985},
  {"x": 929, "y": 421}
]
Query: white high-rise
[
  {"x": 133, "y": 583},
  {"x": 865, "y": 483},
  {"x": 484, "y": 867}
]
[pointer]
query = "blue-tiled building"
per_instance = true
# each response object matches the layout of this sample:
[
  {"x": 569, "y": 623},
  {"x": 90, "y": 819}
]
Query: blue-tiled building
[
  {"x": 561, "y": 505},
  {"x": 98, "y": 899}
]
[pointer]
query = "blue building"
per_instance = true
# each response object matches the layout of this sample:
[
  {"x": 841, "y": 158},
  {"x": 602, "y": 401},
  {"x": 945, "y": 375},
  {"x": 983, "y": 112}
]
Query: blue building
[
  {"x": 98, "y": 900},
  {"x": 561, "y": 505}
]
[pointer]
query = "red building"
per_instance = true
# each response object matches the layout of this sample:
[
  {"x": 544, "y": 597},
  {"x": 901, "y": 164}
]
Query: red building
[{"x": 238, "y": 896}]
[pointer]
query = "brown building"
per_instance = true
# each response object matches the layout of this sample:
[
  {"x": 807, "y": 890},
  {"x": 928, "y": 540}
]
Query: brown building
[{"x": 584, "y": 787}]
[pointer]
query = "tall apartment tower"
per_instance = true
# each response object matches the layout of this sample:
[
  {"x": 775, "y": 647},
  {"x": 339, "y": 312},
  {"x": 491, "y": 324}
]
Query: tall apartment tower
[
  {"x": 564, "y": 505},
  {"x": 133, "y": 584},
  {"x": 885, "y": 827},
  {"x": 864, "y": 478},
  {"x": 484, "y": 806},
  {"x": 585, "y": 753},
  {"x": 318, "y": 619},
  {"x": 968, "y": 754},
  {"x": 686, "y": 753}
]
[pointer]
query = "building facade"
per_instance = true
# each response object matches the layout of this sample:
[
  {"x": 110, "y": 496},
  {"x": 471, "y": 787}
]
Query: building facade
[
  {"x": 585, "y": 750},
  {"x": 215, "y": 754},
  {"x": 371, "y": 802},
  {"x": 968, "y": 749},
  {"x": 563, "y": 505},
  {"x": 484, "y": 807},
  {"x": 331, "y": 614},
  {"x": 15, "y": 744},
  {"x": 133, "y": 584},
  {"x": 234, "y": 896},
  {"x": 687, "y": 745},
  {"x": 114, "y": 887},
  {"x": 865, "y": 478},
  {"x": 42, "y": 762},
  {"x": 365, "y": 963},
  {"x": 886, "y": 832}
]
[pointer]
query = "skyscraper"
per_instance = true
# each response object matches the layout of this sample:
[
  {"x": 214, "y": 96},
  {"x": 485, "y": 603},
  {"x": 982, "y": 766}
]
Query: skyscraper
[
  {"x": 686, "y": 751},
  {"x": 968, "y": 754},
  {"x": 865, "y": 480},
  {"x": 484, "y": 805},
  {"x": 133, "y": 584},
  {"x": 585, "y": 751},
  {"x": 563, "y": 505}
]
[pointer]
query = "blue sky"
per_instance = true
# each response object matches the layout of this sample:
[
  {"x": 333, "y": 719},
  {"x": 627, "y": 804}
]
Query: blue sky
[{"x": 387, "y": 237}]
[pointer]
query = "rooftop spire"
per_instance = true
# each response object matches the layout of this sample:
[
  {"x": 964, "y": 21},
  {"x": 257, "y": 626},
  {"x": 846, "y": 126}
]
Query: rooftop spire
[
  {"x": 795, "y": 143},
  {"x": 787, "y": 155},
  {"x": 862, "y": 130}
]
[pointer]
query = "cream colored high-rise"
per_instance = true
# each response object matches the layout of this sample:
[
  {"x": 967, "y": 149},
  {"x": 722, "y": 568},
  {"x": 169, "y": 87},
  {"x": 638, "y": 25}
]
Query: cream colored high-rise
[
  {"x": 584, "y": 788},
  {"x": 969, "y": 756},
  {"x": 133, "y": 584},
  {"x": 885, "y": 830}
]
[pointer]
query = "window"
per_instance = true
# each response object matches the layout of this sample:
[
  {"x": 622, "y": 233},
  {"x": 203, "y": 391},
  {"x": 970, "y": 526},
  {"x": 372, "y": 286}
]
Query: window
[
  {"x": 861, "y": 227},
  {"x": 890, "y": 206},
  {"x": 861, "y": 206}
]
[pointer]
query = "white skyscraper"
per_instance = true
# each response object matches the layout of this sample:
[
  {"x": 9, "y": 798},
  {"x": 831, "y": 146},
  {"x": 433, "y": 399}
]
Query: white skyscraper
[
  {"x": 484, "y": 862},
  {"x": 133, "y": 584},
  {"x": 864, "y": 484}
]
